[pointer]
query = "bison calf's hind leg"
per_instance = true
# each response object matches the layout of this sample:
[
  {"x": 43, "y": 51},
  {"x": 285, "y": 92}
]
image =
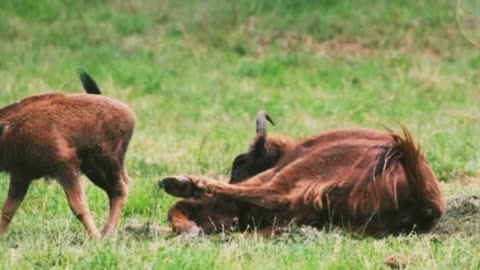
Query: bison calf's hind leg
[
  {"x": 117, "y": 195},
  {"x": 70, "y": 183},
  {"x": 16, "y": 193},
  {"x": 106, "y": 171}
]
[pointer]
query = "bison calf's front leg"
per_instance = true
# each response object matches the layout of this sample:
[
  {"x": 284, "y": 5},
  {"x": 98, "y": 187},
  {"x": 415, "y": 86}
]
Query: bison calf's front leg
[{"x": 16, "y": 193}]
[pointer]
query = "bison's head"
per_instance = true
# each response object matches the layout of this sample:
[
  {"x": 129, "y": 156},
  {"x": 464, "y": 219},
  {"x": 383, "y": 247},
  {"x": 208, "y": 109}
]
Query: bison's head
[{"x": 264, "y": 153}]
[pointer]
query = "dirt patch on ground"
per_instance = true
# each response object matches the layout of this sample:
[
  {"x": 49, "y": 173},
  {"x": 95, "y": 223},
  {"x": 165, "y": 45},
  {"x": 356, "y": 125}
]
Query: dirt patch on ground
[
  {"x": 147, "y": 229},
  {"x": 462, "y": 216}
]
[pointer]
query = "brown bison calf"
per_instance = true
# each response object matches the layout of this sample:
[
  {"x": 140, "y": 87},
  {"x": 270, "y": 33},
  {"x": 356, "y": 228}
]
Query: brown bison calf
[
  {"x": 60, "y": 135},
  {"x": 369, "y": 182}
]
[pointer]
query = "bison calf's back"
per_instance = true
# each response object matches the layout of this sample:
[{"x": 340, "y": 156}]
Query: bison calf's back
[{"x": 59, "y": 136}]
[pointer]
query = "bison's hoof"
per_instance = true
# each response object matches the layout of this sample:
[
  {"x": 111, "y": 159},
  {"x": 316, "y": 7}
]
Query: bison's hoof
[{"x": 178, "y": 186}]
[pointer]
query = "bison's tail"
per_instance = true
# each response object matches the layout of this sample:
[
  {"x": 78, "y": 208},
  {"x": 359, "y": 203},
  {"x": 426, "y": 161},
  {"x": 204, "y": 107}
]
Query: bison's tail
[
  {"x": 377, "y": 187},
  {"x": 89, "y": 84}
]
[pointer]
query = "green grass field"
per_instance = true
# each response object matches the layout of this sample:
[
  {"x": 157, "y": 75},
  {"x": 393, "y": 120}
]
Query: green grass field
[{"x": 196, "y": 73}]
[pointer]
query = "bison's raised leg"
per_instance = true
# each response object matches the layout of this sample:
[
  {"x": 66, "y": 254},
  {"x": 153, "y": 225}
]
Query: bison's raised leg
[
  {"x": 191, "y": 186},
  {"x": 16, "y": 192},
  {"x": 259, "y": 179},
  {"x": 76, "y": 200}
]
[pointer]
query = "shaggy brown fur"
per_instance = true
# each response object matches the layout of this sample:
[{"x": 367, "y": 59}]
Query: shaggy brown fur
[
  {"x": 370, "y": 182},
  {"x": 60, "y": 135}
]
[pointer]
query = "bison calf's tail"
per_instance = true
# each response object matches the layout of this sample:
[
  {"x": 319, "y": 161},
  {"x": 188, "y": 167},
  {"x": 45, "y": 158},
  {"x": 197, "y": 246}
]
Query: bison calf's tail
[
  {"x": 399, "y": 187},
  {"x": 89, "y": 84}
]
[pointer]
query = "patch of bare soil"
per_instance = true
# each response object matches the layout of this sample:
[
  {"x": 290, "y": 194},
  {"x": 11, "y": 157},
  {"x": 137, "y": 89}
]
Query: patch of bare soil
[
  {"x": 462, "y": 216},
  {"x": 147, "y": 229}
]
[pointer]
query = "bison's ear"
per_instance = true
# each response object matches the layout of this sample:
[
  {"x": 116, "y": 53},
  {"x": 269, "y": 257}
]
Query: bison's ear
[
  {"x": 260, "y": 144},
  {"x": 3, "y": 127}
]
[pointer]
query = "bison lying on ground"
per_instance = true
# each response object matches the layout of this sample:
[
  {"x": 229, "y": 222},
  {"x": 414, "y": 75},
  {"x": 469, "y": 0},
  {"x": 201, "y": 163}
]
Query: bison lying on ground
[
  {"x": 368, "y": 182},
  {"x": 60, "y": 135}
]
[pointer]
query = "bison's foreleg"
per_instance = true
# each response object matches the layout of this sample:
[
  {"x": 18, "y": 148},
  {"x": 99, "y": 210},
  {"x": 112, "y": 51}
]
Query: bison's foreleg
[
  {"x": 193, "y": 186},
  {"x": 16, "y": 192}
]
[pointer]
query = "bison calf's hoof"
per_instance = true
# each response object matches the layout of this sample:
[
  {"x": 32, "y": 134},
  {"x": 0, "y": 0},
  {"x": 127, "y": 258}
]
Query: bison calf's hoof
[{"x": 178, "y": 186}]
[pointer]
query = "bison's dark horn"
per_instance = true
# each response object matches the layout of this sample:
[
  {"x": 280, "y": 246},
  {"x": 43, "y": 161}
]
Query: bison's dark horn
[{"x": 262, "y": 118}]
